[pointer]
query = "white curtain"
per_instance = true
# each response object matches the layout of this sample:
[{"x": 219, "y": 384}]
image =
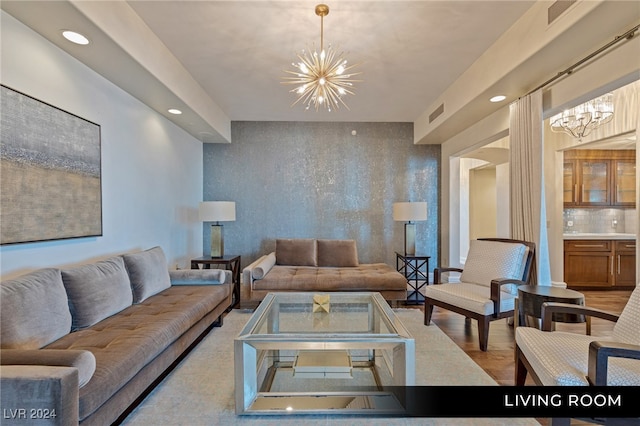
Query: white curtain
[{"x": 526, "y": 193}]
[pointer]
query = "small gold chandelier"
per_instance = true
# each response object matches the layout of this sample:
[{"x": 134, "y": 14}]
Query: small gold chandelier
[{"x": 322, "y": 79}]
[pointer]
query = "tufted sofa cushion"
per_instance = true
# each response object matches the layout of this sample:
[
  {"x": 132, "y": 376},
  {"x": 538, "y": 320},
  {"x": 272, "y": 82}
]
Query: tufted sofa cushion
[
  {"x": 488, "y": 260},
  {"x": 149, "y": 327},
  {"x": 97, "y": 291},
  {"x": 365, "y": 277},
  {"x": 33, "y": 310},
  {"x": 561, "y": 358},
  {"x": 296, "y": 252}
]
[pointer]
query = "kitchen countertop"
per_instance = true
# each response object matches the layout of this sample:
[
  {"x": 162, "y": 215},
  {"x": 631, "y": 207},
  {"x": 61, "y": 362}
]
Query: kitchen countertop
[{"x": 595, "y": 236}]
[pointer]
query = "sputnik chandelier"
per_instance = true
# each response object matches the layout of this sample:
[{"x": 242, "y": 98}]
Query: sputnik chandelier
[
  {"x": 582, "y": 119},
  {"x": 322, "y": 79}
]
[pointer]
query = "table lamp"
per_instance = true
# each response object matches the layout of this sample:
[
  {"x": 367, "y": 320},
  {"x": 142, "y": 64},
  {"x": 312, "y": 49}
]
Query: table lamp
[
  {"x": 217, "y": 211},
  {"x": 408, "y": 212}
]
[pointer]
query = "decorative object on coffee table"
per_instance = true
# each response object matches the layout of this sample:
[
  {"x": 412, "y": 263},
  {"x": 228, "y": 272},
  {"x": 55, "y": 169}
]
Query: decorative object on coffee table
[
  {"x": 321, "y": 303},
  {"x": 217, "y": 211},
  {"x": 409, "y": 212}
]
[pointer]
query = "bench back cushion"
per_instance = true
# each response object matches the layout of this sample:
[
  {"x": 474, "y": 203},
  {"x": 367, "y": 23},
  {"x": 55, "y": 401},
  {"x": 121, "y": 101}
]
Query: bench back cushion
[
  {"x": 337, "y": 253},
  {"x": 296, "y": 252},
  {"x": 97, "y": 291},
  {"x": 148, "y": 271},
  {"x": 488, "y": 260},
  {"x": 33, "y": 310}
]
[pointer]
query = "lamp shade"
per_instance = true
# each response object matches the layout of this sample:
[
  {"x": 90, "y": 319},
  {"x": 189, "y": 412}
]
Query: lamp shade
[
  {"x": 217, "y": 211},
  {"x": 409, "y": 211}
]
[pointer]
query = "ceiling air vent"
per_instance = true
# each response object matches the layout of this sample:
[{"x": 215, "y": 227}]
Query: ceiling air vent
[
  {"x": 558, "y": 9},
  {"x": 436, "y": 113}
]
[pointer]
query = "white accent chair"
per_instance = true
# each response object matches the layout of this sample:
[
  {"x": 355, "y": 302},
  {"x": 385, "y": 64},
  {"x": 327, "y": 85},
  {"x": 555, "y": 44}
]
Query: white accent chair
[
  {"x": 488, "y": 287},
  {"x": 560, "y": 358}
]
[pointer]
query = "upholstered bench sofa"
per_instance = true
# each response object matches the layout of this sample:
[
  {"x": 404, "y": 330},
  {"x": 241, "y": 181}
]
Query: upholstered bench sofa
[
  {"x": 80, "y": 345},
  {"x": 323, "y": 265}
]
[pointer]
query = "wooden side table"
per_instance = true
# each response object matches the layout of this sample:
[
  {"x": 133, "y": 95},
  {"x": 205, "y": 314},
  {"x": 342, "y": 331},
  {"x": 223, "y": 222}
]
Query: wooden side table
[
  {"x": 531, "y": 298},
  {"x": 415, "y": 269},
  {"x": 230, "y": 262}
]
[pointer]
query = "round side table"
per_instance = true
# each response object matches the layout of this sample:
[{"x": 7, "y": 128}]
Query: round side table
[{"x": 531, "y": 298}]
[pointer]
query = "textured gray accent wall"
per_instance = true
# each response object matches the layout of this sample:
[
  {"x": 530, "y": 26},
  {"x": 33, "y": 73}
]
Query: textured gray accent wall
[{"x": 317, "y": 180}]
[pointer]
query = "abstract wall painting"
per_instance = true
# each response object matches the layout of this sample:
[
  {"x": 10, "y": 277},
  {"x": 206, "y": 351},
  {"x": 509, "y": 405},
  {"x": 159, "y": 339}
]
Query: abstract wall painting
[{"x": 50, "y": 172}]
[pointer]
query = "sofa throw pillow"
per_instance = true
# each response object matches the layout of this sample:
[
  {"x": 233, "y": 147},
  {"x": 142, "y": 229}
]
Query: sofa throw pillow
[
  {"x": 337, "y": 253},
  {"x": 488, "y": 260},
  {"x": 33, "y": 310},
  {"x": 263, "y": 267},
  {"x": 97, "y": 291},
  {"x": 148, "y": 272},
  {"x": 296, "y": 252}
]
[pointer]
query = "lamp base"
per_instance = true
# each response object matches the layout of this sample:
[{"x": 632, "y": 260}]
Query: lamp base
[
  {"x": 217, "y": 241},
  {"x": 410, "y": 238}
]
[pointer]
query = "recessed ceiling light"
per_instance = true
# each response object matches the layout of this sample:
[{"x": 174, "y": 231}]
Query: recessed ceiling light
[
  {"x": 498, "y": 98},
  {"x": 75, "y": 37},
  {"x": 174, "y": 111}
]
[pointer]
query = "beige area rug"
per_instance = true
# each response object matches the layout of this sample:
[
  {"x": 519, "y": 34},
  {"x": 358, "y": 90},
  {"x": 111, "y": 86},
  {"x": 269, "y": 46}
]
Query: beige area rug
[{"x": 200, "y": 391}]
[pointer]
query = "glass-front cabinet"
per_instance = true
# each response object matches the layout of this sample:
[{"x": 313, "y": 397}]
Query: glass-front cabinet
[
  {"x": 599, "y": 178},
  {"x": 594, "y": 182},
  {"x": 625, "y": 183},
  {"x": 570, "y": 184}
]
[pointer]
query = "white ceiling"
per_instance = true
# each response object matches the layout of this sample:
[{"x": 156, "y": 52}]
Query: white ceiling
[
  {"x": 409, "y": 52},
  {"x": 224, "y": 60}
]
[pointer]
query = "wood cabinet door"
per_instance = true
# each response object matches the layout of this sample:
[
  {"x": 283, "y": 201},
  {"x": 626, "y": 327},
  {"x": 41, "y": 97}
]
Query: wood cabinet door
[
  {"x": 570, "y": 184},
  {"x": 588, "y": 269},
  {"x": 595, "y": 183},
  {"x": 625, "y": 263},
  {"x": 624, "y": 183}
]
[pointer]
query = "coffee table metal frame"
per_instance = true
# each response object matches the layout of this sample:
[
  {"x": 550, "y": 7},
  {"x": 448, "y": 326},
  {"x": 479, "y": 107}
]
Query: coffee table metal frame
[{"x": 260, "y": 344}]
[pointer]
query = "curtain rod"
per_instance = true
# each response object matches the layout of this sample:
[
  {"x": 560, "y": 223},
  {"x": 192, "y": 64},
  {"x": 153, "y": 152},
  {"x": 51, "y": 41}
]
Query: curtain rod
[{"x": 628, "y": 35}]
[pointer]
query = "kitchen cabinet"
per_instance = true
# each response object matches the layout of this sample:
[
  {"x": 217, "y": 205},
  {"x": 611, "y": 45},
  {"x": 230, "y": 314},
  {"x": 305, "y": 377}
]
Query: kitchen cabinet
[
  {"x": 596, "y": 178},
  {"x": 625, "y": 263},
  {"x": 599, "y": 263},
  {"x": 624, "y": 184}
]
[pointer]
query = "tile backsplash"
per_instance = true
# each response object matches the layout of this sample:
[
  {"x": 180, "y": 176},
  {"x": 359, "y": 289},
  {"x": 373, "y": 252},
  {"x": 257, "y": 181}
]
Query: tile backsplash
[{"x": 599, "y": 220}]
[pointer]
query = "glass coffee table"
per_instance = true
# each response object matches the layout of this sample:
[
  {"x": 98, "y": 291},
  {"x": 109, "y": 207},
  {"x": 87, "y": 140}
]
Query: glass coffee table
[{"x": 321, "y": 353}]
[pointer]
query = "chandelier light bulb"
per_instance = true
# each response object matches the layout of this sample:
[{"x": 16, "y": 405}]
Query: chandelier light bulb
[{"x": 323, "y": 80}]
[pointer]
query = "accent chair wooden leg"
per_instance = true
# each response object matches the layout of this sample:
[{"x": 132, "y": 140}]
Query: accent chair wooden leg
[
  {"x": 521, "y": 370},
  {"x": 483, "y": 333},
  {"x": 428, "y": 311}
]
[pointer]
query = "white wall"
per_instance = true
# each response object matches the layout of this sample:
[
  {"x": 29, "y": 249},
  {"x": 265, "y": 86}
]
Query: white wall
[
  {"x": 151, "y": 169},
  {"x": 483, "y": 203}
]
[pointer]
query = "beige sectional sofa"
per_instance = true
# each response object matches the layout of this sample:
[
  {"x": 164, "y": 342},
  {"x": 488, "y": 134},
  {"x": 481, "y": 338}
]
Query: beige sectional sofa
[
  {"x": 321, "y": 265},
  {"x": 81, "y": 345}
]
